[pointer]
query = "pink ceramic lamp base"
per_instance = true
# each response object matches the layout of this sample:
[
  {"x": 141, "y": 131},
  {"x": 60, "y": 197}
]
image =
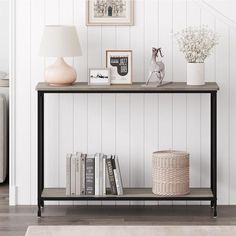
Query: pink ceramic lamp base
[{"x": 60, "y": 74}]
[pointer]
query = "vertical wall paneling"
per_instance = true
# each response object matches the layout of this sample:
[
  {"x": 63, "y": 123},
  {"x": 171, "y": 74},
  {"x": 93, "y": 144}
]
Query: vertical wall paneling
[
  {"x": 123, "y": 41},
  {"x": 37, "y": 74},
  {"x": 108, "y": 125},
  {"x": 137, "y": 37},
  {"x": 137, "y": 163},
  {"x": 151, "y": 33},
  {"x": 130, "y": 125},
  {"x": 66, "y": 114},
  {"x": 23, "y": 102},
  {"x": 194, "y": 112},
  {"x": 80, "y": 126},
  {"x": 66, "y": 107},
  {"x": 81, "y": 66},
  {"x": 165, "y": 126},
  {"x": 52, "y": 174},
  {"x": 232, "y": 106},
  {"x": 108, "y": 100},
  {"x": 123, "y": 137},
  {"x": 151, "y": 101},
  {"x": 94, "y": 100},
  {"x": 165, "y": 35},
  {"x": 81, "y": 62},
  {"x": 94, "y": 126},
  {"x": 210, "y": 75},
  {"x": 165, "y": 41},
  {"x": 150, "y": 137},
  {"x": 222, "y": 78},
  {"x": 179, "y": 74},
  {"x": 108, "y": 41}
]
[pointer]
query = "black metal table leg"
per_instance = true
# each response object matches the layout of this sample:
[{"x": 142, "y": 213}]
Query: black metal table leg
[
  {"x": 40, "y": 150},
  {"x": 214, "y": 151}
]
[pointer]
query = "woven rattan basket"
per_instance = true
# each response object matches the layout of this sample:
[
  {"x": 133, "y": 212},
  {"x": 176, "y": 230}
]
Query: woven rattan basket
[{"x": 170, "y": 173}]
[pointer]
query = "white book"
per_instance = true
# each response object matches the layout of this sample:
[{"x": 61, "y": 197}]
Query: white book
[
  {"x": 77, "y": 173},
  {"x": 101, "y": 174},
  {"x": 104, "y": 181},
  {"x": 73, "y": 177},
  {"x": 97, "y": 173},
  {"x": 68, "y": 174}
]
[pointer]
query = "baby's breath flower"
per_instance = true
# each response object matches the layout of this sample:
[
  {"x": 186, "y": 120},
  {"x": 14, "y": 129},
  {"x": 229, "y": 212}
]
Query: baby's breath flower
[{"x": 196, "y": 43}]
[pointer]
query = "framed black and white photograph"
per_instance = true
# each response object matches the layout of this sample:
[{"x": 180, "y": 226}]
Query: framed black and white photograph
[
  {"x": 120, "y": 64},
  {"x": 110, "y": 12},
  {"x": 99, "y": 76}
]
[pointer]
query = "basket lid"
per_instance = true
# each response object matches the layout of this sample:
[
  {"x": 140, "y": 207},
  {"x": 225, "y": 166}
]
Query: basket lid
[{"x": 170, "y": 153}]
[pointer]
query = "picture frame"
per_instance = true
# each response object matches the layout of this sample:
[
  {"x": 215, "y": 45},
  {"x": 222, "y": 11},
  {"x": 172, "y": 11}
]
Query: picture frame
[
  {"x": 105, "y": 12},
  {"x": 99, "y": 76},
  {"x": 120, "y": 63}
]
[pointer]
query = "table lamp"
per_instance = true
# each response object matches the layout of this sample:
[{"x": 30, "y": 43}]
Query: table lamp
[{"x": 60, "y": 41}]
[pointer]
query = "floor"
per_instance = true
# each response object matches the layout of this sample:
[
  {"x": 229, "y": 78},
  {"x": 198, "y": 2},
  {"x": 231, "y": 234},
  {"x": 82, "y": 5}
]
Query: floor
[{"x": 15, "y": 220}]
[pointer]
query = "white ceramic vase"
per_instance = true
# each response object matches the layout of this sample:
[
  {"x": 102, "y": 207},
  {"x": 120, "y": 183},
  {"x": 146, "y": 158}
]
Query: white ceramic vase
[{"x": 195, "y": 74}]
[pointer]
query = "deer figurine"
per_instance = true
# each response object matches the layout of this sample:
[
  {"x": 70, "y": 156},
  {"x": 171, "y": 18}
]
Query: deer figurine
[{"x": 157, "y": 67}]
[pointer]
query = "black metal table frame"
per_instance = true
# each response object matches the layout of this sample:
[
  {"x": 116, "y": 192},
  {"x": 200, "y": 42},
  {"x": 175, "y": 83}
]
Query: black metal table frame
[{"x": 213, "y": 145}]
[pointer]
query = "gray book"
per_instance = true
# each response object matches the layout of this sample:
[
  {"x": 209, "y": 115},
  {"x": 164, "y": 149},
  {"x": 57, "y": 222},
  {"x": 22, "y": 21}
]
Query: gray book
[
  {"x": 111, "y": 176},
  {"x": 104, "y": 181},
  {"x": 117, "y": 174},
  {"x": 77, "y": 173},
  {"x": 73, "y": 177},
  {"x": 90, "y": 175},
  {"x": 97, "y": 172},
  {"x": 82, "y": 174},
  {"x": 68, "y": 174}
]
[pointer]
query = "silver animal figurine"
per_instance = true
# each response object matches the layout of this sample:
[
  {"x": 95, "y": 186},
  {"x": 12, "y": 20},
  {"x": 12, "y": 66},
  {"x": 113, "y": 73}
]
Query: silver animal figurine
[{"x": 157, "y": 67}]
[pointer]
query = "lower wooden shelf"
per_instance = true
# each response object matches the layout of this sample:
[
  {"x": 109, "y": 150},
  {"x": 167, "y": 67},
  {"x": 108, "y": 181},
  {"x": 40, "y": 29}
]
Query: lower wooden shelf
[{"x": 142, "y": 194}]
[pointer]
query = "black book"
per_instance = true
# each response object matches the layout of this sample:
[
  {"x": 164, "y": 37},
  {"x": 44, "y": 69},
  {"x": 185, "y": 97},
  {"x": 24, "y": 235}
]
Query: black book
[
  {"x": 111, "y": 176},
  {"x": 90, "y": 175}
]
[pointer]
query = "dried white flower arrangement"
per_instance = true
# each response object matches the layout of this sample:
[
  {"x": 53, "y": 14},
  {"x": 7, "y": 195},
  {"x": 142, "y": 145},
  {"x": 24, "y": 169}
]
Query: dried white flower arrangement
[{"x": 196, "y": 43}]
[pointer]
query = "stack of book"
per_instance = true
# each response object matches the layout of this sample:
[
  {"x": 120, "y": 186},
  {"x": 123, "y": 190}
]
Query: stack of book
[{"x": 88, "y": 174}]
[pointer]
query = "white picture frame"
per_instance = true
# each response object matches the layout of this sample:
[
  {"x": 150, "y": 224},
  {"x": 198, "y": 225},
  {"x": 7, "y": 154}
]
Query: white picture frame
[
  {"x": 105, "y": 14},
  {"x": 120, "y": 63},
  {"x": 99, "y": 76}
]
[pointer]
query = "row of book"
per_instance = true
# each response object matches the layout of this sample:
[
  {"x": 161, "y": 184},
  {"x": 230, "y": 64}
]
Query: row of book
[{"x": 97, "y": 174}]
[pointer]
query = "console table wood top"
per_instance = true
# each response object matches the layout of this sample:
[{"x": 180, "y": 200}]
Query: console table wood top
[{"x": 175, "y": 87}]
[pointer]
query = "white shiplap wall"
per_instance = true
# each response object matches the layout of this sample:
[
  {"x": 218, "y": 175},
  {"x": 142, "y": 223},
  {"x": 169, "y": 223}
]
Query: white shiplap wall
[
  {"x": 130, "y": 125},
  {"x": 4, "y": 35}
]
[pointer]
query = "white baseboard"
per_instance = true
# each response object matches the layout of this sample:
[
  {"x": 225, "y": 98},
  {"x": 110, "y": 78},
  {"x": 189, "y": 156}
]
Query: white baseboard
[{"x": 13, "y": 195}]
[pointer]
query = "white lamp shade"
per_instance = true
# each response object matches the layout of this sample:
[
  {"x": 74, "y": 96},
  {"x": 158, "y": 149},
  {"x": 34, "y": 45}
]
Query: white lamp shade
[{"x": 60, "y": 41}]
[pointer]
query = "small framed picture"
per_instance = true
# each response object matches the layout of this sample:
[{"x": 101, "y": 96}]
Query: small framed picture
[
  {"x": 99, "y": 76},
  {"x": 110, "y": 12},
  {"x": 120, "y": 63}
]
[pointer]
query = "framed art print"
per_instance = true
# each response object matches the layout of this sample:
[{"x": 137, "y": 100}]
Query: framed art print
[
  {"x": 99, "y": 76},
  {"x": 120, "y": 64},
  {"x": 110, "y": 12}
]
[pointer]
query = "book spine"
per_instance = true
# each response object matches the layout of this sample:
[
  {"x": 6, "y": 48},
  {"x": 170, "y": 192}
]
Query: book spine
[
  {"x": 82, "y": 174},
  {"x": 73, "y": 178},
  {"x": 101, "y": 174},
  {"x": 119, "y": 184},
  {"x": 104, "y": 175},
  {"x": 68, "y": 174},
  {"x": 90, "y": 185},
  {"x": 111, "y": 176},
  {"x": 77, "y": 174},
  {"x": 97, "y": 173}
]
